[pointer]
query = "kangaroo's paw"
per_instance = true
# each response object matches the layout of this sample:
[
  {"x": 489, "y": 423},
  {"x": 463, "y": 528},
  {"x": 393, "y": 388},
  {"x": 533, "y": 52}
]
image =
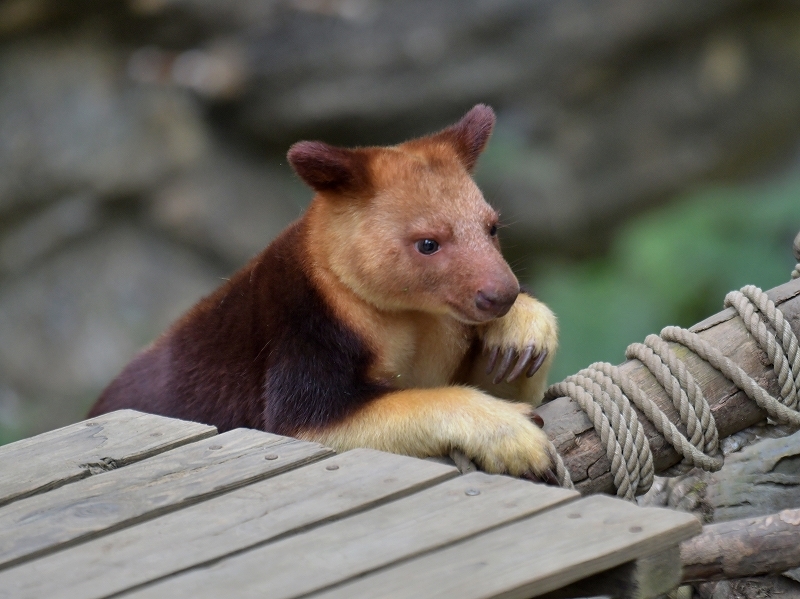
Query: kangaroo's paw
[
  {"x": 508, "y": 440},
  {"x": 521, "y": 341}
]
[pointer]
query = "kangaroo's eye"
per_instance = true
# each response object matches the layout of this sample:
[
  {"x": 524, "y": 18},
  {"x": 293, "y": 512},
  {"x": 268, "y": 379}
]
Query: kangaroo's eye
[
  {"x": 493, "y": 230},
  {"x": 426, "y": 247}
]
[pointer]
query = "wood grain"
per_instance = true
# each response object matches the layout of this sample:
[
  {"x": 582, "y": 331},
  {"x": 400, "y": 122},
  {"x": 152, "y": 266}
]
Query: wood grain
[
  {"x": 744, "y": 548},
  {"x": 647, "y": 577},
  {"x": 578, "y": 443},
  {"x": 533, "y": 556},
  {"x": 357, "y": 545},
  {"x": 761, "y": 479},
  {"x": 62, "y": 456},
  {"x": 119, "y": 498},
  {"x": 324, "y": 491}
]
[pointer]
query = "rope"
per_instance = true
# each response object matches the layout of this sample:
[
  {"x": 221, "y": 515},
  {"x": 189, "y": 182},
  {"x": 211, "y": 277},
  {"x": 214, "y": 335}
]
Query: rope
[{"x": 605, "y": 393}]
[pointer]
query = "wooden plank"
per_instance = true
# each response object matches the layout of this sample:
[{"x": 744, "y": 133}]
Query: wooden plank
[
  {"x": 113, "y": 500},
  {"x": 354, "y": 546},
  {"x": 255, "y": 514},
  {"x": 62, "y": 456},
  {"x": 651, "y": 576},
  {"x": 533, "y": 556}
]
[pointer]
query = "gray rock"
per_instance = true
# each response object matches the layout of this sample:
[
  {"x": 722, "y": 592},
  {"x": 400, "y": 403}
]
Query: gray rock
[
  {"x": 229, "y": 204},
  {"x": 70, "y": 121},
  {"x": 604, "y": 107},
  {"x": 762, "y": 587},
  {"x": 44, "y": 232},
  {"x": 149, "y": 126},
  {"x": 72, "y": 323},
  {"x": 762, "y": 479}
]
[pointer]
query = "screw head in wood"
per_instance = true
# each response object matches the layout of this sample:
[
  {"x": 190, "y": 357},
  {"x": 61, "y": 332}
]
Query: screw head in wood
[
  {"x": 271, "y": 456},
  {"x": 472, "y": 492},
  {"x": 332, "y": 467}
]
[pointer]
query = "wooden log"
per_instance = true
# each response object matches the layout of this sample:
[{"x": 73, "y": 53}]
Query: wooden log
[
  {"x": 579, "y": 445},
  {"x": 746, "y": 547},
  {"x": 757, "y": 587}
]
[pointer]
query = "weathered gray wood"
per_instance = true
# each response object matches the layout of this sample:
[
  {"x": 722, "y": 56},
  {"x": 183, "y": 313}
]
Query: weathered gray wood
[
  {"x": 651, "y": 576},
  {"x": 762, "y": 479},
  {"x": 113, "y": 500},
  {"x": 533, "y": 556},
  {"x": 757, "y": 587},
  {"x": 62, "y": 456},
  {"x": 744, "y": 548},
  {"x": 255, "y": 514},
  {"x": 351, "y": 547},
  {"x": 580, "y": 446}
]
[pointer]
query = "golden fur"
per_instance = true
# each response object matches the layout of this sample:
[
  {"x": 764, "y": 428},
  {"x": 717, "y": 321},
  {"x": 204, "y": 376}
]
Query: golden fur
[{"x": 417, "y": 313}]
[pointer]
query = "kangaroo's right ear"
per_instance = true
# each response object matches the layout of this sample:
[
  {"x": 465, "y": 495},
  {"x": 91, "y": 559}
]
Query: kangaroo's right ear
[
  {"x": 470, "y": 135},
  {"x": 329, "y": 168}
]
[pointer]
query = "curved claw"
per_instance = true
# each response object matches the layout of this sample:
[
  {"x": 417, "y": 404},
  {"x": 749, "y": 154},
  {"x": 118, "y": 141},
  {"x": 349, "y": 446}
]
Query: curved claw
[
  {"x": 547, "y": 477},
  {"x": 508, "y": 357},
  {"x": 550, "y": 478},
  {"x": 537, "y": 420},
  {"x": 492, "y": 359},
  {"x": 537, "y": 363},
  {"x": 521, "y": 364}
]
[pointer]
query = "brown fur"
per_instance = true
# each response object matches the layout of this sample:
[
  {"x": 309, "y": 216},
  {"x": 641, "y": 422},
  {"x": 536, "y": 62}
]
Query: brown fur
[{"x": 343, "y": 331}]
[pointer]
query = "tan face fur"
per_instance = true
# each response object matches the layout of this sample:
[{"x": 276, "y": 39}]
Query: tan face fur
[
  {"x": 376, "y": 241},
  {"x": 394, "y": 199},
  {"x": 405, "y": 227}
]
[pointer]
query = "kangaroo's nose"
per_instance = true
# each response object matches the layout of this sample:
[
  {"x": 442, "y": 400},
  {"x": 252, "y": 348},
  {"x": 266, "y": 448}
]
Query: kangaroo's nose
[{"x": 495, "y": 302}]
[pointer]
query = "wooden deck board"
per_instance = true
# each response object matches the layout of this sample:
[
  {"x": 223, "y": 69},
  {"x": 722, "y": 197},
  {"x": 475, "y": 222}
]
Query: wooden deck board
[
  {"x": 533, "y": 556},
  {"x": 651, "y": 576},
  {"x": 313, "y": 494},
  {"x": 58, "y": 457},
  {"x": 166, "y": 482},
  {"x": 361, "y": 543},
  {"x": 249, "y": 514}
]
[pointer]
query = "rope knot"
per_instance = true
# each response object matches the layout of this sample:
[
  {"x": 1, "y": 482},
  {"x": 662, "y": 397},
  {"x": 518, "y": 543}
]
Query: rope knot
[{"x": 607, "y": 395}]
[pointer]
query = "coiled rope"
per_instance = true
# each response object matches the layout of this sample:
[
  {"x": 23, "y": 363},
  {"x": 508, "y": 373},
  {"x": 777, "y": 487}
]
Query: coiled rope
[{"x": 606, "y": 394}]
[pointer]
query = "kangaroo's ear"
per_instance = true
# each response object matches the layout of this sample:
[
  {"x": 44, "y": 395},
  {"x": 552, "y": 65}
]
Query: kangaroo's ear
[
  {"x": 470, "y": 135},
  {"x": 328, "y": 168}
]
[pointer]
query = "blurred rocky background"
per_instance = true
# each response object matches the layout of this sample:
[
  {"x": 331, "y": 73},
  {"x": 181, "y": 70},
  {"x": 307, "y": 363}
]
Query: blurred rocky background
[{"x": 645, "y": 158}]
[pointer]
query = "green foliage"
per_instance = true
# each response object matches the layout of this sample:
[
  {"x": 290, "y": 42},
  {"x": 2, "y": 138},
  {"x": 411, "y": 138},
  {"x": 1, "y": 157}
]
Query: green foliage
[{"x": 671, "y": 266}]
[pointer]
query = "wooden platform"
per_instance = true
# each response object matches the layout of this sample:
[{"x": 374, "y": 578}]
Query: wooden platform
[{"x": 145, "y": 506}]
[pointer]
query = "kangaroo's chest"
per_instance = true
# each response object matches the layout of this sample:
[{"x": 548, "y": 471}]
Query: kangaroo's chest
[{"x": 424, "y": 352}]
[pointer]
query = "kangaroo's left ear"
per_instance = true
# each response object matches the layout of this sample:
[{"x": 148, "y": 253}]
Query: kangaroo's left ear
[
  {"x": 470, "y": 135},
  {"x": 327, "y": 168}
]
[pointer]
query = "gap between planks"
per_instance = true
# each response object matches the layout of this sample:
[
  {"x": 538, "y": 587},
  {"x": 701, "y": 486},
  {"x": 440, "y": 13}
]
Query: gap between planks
[
  {"x": 167, "y": 482},
  {"x": 430, "y": 519},
  {"x": 252, "y": 516},
  {"x": 62, "y": 456},
  {"x": 531, "y": 557}
]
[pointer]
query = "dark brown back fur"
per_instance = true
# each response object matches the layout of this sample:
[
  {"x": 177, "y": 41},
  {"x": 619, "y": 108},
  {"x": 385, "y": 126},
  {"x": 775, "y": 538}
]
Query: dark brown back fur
[{"x": 262, "y": 351}]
